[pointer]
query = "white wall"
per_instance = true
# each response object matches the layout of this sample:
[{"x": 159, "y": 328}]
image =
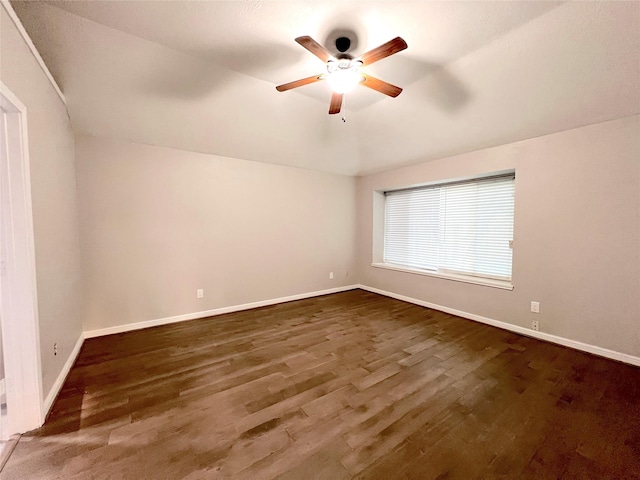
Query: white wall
[
  {"x": 548, "y": 66},
  {"x": 576, "y": 239},
  {"x": 53, "y": 189},
  {"x": 158, "y": 223},
  {"x": 159, "y": 96}
]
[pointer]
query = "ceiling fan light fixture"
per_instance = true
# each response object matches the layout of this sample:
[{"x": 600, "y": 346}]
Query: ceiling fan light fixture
[
  {"x": 344, "y": 75},
  {"x": 344, "y": 71}
]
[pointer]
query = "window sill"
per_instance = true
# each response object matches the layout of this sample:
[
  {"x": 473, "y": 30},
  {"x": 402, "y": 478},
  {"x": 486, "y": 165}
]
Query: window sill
[{"x": 487, "y": 282}]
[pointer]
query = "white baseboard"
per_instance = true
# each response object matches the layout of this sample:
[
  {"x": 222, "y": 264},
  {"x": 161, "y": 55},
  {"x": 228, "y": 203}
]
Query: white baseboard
[
  {"x": 55, "y": 389},
  {"x": 210, "y": 313},
  {"x": 57, "y": 386},
  {"x": 585, "y": 347}
]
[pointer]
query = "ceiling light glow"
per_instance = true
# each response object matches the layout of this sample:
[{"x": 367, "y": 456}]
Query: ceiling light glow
[{"x": 344, "y": 75}]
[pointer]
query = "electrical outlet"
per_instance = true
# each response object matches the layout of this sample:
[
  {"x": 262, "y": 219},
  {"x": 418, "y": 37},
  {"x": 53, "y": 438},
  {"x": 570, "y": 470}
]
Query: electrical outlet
[
  {"x": 55, "y": 349},
  {"x": 330, "y": 275},
  {"x": 535, "y": 325},
  {"x": 200, "y": 293},
  {"x": 535, "y": 307}
]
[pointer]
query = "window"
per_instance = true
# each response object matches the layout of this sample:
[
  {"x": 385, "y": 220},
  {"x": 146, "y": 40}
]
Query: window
[{"x": 458, "y": 229}]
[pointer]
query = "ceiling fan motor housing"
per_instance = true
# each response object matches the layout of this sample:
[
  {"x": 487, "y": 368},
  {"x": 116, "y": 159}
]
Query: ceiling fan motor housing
[
  {"x": 342, "y": 41},
  {"x": 343, "y": 44}
]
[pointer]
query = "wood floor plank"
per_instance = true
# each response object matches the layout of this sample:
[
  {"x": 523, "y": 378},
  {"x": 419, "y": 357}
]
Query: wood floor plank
[{"x": 349, "y": 385}]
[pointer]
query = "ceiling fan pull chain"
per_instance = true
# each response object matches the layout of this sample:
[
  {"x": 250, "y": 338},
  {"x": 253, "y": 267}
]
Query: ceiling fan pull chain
[{"x": 344, "y": 108}]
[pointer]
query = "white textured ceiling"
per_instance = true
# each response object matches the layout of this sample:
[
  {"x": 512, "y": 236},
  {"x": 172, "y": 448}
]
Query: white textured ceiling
[{"x": 200, "y": 75}]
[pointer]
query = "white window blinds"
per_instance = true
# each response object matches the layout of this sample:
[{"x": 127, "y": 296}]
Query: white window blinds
[{"x": 460, "y": 228}]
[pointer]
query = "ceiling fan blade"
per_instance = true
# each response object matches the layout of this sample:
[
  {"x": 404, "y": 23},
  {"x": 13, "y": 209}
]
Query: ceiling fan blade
[
  {"x": 336, "y": 103},
  {"x": 392, "y": 46},
  {"x": 381, "y": 86},
  {"x": 298, "y": 83},
  {"x": 314, "y": 47}
]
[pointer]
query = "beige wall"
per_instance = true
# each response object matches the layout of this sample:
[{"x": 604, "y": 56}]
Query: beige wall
[
  {"x": 577, "y": 235},
  {"x": 158, "y": 223},
  {"x": 53, "y": 189}
]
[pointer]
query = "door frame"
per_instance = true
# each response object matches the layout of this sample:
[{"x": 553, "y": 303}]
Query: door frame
[{"x": 19, "y": 305}]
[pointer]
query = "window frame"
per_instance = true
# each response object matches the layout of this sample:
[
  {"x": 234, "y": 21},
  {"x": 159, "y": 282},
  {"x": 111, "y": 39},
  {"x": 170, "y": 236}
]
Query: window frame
[{"x": 379, "y": 209}]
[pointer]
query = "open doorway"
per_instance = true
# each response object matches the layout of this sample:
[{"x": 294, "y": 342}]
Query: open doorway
[{"x": 19, "y": 332}]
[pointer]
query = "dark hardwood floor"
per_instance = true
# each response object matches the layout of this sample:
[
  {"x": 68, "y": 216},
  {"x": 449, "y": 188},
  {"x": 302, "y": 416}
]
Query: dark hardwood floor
[{"x": 351, "y": 385}]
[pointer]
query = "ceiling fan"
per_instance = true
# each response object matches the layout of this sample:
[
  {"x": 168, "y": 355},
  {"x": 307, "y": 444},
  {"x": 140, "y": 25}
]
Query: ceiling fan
[{"x": 344, "y": 72}]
